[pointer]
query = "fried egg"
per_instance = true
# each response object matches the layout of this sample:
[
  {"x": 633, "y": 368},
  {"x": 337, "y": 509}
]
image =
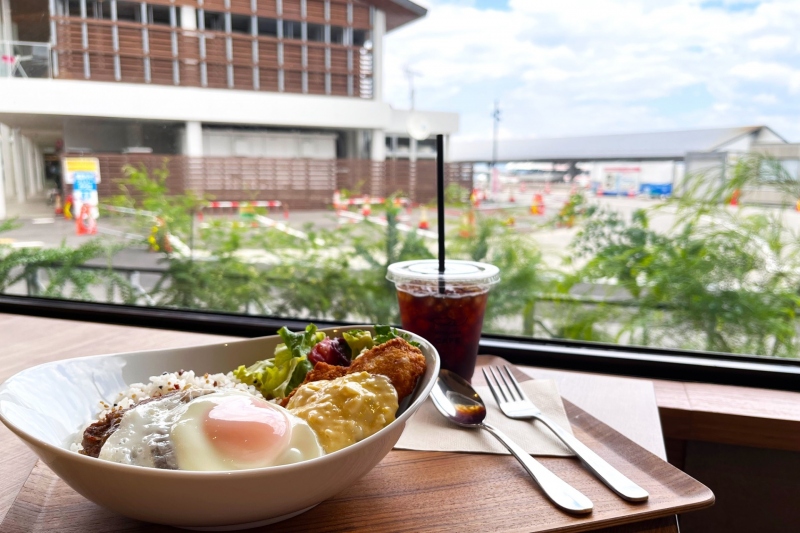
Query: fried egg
[{"x": 226, "y": 430}]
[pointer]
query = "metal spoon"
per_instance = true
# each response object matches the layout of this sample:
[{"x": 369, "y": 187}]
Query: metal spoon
[{"x": 459, "y": 403}]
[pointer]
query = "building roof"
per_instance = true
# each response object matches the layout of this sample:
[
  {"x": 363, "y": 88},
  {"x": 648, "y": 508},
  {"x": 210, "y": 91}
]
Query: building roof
[
  {"x": 399, "y": 12},
  {"x": 665, "y": 145}
]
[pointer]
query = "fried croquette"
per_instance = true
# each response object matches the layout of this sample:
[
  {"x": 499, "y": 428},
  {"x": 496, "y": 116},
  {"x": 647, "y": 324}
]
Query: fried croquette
[{"x": 396, "y": 359}]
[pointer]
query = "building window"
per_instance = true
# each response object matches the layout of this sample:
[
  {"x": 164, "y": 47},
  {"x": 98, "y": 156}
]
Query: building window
[
  {"x": 128, "y": 11},
  {"x": 267, "y": 27},
  {"x": 292, "y": 30},
  {"x": 337, "y": 35},
  {"x": 240, "y": 24},
  {"x": 160, "y": 15},
  {"x": 316, "y": 32},
  {"x": 73, "y": 8},
  {"x": 360, "y": 37},
  {"x": 213, "y": 21}
]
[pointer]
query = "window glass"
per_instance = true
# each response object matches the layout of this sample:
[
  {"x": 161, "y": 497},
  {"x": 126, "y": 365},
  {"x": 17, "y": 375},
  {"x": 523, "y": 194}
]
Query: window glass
[
  {"x": 73, "y": 8},
  {"x": 633, "y": 169},
  {"x": 337, "y": 35},
  {"x": 292, "y": 30},
  {"x": 128, "y": 11},
  {"x": 316, "y": 32},
  {"x": 159, "y": 15},
  {"x": 360, "y": 37},
  {"x": 213, "y": 21},
  {"x": 267, "y": 27},
  {"x": 240, "y": 24}
]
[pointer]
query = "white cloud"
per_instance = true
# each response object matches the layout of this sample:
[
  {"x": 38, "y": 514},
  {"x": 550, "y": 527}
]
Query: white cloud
[{"x": 572, "y": 67}]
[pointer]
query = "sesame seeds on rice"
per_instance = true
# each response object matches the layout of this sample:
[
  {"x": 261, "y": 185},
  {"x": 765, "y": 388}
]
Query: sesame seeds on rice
[{"x": 172, "y": 381}]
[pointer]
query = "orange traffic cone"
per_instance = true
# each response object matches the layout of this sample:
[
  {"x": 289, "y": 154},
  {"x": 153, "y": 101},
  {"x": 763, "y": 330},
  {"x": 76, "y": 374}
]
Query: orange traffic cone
[
  {"x": 423, "y": 218},
  {"x": 797, "y": 206},
  {"x": 735, "y": 198},
  {"x": 537, "y": 204}
]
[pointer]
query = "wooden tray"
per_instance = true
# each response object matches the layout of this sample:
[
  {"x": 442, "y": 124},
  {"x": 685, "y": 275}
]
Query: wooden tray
[{"x": 430, "y": 491}]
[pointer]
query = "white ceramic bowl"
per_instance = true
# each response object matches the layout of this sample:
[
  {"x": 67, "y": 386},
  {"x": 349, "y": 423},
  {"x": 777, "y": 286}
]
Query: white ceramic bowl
[{"x": 48, "y": 404}]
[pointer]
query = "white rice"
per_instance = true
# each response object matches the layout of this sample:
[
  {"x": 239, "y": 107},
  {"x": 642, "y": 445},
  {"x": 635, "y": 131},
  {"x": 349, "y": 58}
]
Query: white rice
[{"x": 164, "y": 384}]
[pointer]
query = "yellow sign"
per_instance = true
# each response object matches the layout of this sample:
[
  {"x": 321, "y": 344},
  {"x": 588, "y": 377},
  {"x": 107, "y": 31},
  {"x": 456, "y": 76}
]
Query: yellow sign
[{"x": 73, "y": 165}]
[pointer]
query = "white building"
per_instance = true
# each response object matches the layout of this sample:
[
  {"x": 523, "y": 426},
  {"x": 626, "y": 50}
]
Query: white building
[
  {"x": 649, "y": 163},
  {"x": 202, "y": 79}
]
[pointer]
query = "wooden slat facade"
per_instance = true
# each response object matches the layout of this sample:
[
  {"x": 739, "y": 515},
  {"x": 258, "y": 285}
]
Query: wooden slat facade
[
  {"x": 300, "y": 183},
  {"x": 101, "y": 49}
]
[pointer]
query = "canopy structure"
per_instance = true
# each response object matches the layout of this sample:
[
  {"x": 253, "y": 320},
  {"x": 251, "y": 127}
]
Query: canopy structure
[{"x": 654, "y": 146}]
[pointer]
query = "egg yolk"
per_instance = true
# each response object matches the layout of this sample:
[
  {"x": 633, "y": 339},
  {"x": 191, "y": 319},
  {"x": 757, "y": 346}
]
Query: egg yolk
[{"x": 246, "y": 429}]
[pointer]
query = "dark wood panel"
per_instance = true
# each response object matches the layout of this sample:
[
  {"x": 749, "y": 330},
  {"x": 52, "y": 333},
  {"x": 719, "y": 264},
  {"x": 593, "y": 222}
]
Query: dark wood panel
[
  {"x": 338, "y": 13},
  {"x": 291, "y": 9},
  {"x": 361, "y": 16},
  {"x": 243, "y": 7},
  {"x": 315, "y": 11},
  {"x": 243, "y": 78},
  {"x": 268, "y": 79},
  {"x": 267, "y": 8}
]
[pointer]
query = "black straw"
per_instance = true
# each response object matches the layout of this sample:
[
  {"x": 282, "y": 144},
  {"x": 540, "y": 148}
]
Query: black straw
[{"x": 440, "y": 204}]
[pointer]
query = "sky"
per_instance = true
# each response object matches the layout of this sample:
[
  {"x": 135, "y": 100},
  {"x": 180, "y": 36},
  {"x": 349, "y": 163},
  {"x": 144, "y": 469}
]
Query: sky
[{"x": 584, "y": 67}]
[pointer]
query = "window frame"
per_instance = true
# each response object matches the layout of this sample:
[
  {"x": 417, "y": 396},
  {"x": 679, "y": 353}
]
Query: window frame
[{"x": 633, "y": 361}]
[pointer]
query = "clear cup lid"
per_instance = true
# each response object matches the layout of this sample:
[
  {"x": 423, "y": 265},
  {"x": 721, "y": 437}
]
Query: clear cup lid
[{"x": 455, "y": 272}]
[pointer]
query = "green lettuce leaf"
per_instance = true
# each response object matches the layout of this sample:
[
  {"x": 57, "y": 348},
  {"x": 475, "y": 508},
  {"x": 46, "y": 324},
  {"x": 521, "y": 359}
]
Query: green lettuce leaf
[
  {"x": 358, "y": 340},
  {"x": 278, "y": 376},
  {"x": 385, "y": 333}
]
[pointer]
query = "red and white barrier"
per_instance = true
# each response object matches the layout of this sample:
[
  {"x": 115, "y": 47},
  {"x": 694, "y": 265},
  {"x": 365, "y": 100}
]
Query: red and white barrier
[
  {"x": 339, "y": 203},
  {"x": 246, "y": 203}
]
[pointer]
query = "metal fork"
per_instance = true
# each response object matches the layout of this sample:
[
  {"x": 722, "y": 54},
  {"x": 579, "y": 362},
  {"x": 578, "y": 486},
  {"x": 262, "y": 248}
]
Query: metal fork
[{"x": 515, "y": 404}]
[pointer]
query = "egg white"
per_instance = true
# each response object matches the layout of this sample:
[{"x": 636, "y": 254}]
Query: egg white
[
  {"x": 194, "y": 451},
  {"x": 170, "y": 424}
]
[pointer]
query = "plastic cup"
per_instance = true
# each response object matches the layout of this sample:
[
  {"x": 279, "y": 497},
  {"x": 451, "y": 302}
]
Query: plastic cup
[{"x": 446, "y": 309}]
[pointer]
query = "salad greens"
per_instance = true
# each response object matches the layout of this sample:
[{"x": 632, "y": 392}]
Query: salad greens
[
  {"x": 387, "y": 333},
  {"x": 278, "y": 376},
  {"x": 358, "y": 340}
]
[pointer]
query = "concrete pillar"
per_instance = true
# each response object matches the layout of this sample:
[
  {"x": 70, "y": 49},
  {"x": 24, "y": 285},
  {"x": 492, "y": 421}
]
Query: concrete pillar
[
  {"x": 412, "y": 149},
  {"x": 19, "y": 165},
  {"x": 7, "y": 161},
  {"x": 378, "y": 147},
  {"x": 193, "y": 139},
  {"x": 188, "y": 18},
  {"x": 2, "y": 180},
  {"x": 378, "y": 31}
]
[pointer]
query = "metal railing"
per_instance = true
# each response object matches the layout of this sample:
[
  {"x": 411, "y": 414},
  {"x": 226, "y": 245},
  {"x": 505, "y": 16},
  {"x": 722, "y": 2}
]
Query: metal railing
[{"x": 23, "y": 59}]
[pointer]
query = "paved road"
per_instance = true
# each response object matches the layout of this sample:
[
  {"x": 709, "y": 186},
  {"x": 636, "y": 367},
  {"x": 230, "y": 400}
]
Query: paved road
[{"x": 38, "y": 229}]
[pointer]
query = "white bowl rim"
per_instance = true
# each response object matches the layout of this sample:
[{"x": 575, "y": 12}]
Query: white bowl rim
[{"x": 250, "y": 472}]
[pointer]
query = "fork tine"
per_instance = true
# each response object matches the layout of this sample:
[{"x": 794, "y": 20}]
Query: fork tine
[
  {"x": 492, "y": 387},
  {"x": 516, "y": 383},
  {"x": 511, "y": 394},
  {"x": 501, "y": 383}
]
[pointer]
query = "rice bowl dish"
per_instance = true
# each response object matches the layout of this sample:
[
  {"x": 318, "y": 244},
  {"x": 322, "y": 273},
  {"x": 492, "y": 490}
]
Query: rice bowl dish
[{"x": 69, "y": 396}]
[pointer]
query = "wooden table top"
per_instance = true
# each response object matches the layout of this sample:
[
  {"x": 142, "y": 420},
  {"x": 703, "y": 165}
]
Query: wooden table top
[{"x": 627, "y": 405}]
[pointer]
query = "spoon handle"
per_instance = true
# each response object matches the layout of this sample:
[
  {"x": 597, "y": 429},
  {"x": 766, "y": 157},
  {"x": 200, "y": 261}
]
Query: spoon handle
[{"x": 559, "y": 491}]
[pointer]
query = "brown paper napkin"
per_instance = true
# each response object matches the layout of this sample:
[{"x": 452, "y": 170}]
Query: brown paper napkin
[{"x": 428, "y": 430}]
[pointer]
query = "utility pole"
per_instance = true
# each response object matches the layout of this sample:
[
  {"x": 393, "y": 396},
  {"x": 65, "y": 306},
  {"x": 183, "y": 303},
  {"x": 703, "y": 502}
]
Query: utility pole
[
  {"x": 494, "y": 181},
  {"x": 410, "y": 74},
  {"x": 496, "y": 124}
]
